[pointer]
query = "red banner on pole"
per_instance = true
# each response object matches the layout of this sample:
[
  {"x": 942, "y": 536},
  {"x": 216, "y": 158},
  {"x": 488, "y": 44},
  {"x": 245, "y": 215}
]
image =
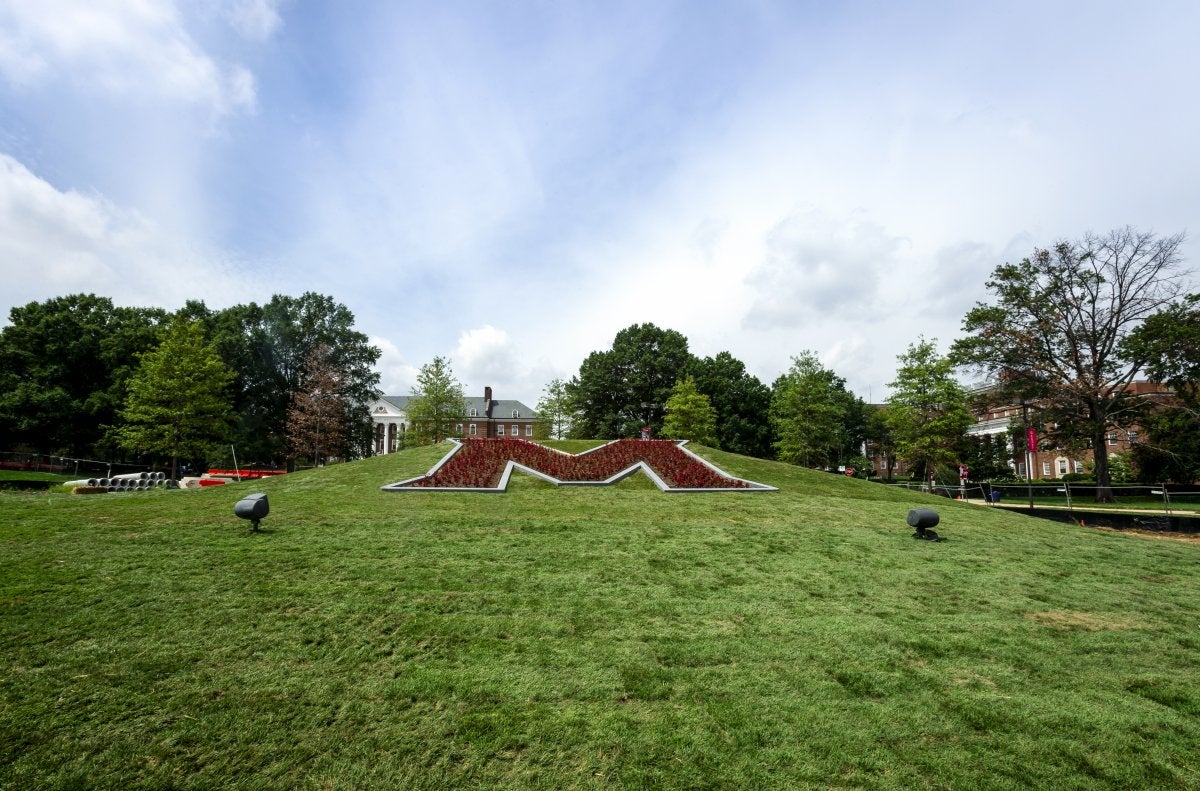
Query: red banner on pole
[{"x": 1031, "y": 439}]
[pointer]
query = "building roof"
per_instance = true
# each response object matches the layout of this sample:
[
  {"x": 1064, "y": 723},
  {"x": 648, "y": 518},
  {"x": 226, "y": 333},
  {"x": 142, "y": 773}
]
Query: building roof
[{"x": 502, "y": 408}]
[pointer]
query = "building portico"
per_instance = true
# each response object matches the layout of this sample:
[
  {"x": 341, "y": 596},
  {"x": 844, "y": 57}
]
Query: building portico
[
  {"x": 481, "y": 417},
  {"x": 390, "y": 417}
]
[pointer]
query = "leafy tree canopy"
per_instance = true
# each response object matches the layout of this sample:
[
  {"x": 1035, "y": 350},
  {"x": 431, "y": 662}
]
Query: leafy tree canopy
[
  {"x": 927, "y": 412},
  {"x": 64, "y": 364},
  {"x": 689, "y": 414},
  {"x": 879, "y": 438},
  {"x": 742, "y": 403},
  {"x": 817, "y": 421},
  {"x": 268, "y": 345},
  {"x": 438, "y": 401},
  {"x": 178, "y": 402},
  {"x": 320, "y": 413},
  {"x": 619, "y": 391},
  {"x": 1056, "y": 332},
  {"x": 63, "y": 368},
  {"x": 556, "y": 411},
  {"x": 1169, "y": 345}
]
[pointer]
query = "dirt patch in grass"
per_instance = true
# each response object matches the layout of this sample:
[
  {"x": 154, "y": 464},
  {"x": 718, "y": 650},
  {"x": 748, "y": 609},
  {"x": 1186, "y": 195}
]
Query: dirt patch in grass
[
  {"x": 1075, "y": 621},
  {"x": 1161, "y": 535},
  {"x": 963, "y": 677}
]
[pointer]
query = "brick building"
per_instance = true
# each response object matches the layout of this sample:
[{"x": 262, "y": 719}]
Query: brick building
[
  {"x": 1048, "y": 462},
  {"x": 481, "y": 417}
]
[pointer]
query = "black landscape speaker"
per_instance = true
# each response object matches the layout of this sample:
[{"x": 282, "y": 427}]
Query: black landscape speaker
[
  {"x": 253, "y": 507},
  {"x": 923, "y": 519}
]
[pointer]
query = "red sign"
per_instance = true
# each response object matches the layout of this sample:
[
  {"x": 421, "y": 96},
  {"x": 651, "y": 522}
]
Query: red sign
[
  {"x": 1031, "y": 439},
  {"x": 850, "y": 471}
]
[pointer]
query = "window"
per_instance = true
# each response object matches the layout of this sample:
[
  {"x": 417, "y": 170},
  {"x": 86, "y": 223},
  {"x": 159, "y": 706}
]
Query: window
[
  {"x": 474, "y": 413},
  {"x": 529, "y": 429},
  {"x": 1045, "y": 469},
  {"x": 1112, "y": 438},
  {"x": 1021, "y": 468},
  {"x": 516, "y": 432},
  {"x": 1078, "y": 466},
  {"x": 499, "y": 429},
  {"x": 471, "y": 429},
  {"x": 458, "y": 429},
  {"x": 1062, "y": 466},
  {"x": 516, "y": 414},
  {"x": 1133, "y": 437}
]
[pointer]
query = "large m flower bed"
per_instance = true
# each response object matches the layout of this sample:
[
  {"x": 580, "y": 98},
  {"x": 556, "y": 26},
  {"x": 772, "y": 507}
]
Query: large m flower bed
[{"x": 485, "y": 465}]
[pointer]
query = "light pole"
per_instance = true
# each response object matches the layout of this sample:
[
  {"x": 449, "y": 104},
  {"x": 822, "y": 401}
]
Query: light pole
[
  {"x": 317, "y": 436},
  {"x": 648, "y": 408},
  {"x": 1030, "y": 436}
]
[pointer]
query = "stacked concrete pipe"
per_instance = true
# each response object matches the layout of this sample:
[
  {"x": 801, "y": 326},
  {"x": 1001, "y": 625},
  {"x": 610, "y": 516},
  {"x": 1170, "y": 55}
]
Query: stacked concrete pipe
[{"x": 127, "y": 482}]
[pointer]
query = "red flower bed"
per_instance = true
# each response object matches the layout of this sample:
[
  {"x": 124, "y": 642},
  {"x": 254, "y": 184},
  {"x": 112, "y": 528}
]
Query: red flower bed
[{"x": 480, "y": 463}]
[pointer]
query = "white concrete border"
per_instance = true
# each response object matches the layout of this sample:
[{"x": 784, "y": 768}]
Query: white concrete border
[{"x": 502, "y": 486}]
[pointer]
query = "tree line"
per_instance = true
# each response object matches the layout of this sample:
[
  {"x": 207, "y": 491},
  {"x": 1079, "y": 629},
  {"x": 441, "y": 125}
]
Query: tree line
[
  {"x": 284, "y": 381},
  {"x": 1066, "y": 333},
  {"x": 649, "y": 380}
]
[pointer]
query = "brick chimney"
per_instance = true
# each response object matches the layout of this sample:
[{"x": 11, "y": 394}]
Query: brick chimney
[{"x": 487, "y": 401}]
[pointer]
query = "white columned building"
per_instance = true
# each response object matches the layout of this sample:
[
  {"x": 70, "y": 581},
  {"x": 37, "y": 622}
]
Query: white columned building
[
  {"x": 480, "y": 417},
  {"x": 389, "y": 414}
]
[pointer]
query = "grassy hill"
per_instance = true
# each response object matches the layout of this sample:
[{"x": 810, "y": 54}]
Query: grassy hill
[{"x": 587, "y": 638}]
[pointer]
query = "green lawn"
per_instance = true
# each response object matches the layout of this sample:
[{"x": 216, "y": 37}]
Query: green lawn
[
  {"x": 587, "y": 638},
  {"x": 22, "y": 475}
]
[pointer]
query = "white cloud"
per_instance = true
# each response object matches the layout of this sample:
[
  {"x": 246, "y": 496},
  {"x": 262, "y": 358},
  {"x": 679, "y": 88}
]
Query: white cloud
[
  {"x": 485, "y": 356},
  {"x": 54, "y": 242},
  {"x": 561, "y": 173},
  {"x": 852, "y": 353},
  {"x": 817, "y": 266},
  {"x": 123, "y": 48},
  {"x": 396, "y": 374},
  {"x": 254, "y": 19}
]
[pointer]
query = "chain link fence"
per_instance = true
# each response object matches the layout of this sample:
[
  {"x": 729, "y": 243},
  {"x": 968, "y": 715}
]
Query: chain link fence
[
  {"x": 65, "y": 465},
  {"x": 1168, "y": 499}
]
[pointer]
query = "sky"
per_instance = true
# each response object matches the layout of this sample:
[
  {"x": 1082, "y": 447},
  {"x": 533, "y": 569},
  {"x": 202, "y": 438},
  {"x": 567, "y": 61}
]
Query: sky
[{"x": 509, "y": 184}]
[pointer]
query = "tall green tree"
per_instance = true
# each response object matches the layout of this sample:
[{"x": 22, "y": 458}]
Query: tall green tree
[
  {"x": 178, "y": 401},
  {"x": 987, "y": 456},
  {"x": 268, "y": 344},
  {"x": 437, "y": 405},
  {"x": 556, "y": 411},
  {"x": 879, "y": 439},
  {"x": 690, "y": 415},
  {"x": 813, "y": 414},
  {"x": 64, "y": 364},
  {"x": 1168, "y": 343},
  {"x": 1056, "y": 332},
  {"x": 317, "y": 420},
  {"x": 742, "y": 402},
  {"x": 927, "y": 412},
  {"x": 619, "y": 391}
]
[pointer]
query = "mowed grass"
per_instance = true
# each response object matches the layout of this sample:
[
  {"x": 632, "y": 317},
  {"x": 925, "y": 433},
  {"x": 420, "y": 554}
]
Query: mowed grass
[{"x": 587, "y": 638}]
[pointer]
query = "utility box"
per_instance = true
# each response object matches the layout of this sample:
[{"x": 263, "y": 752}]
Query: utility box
[
  {"x": 253, "y": 507},
  {"x": 918, "y": 518},
  {"x": 923, "y": 519}
]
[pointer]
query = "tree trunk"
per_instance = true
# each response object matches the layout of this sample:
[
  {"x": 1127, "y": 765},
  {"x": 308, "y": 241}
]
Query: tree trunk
[{"x": 1104, "y": 493}]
